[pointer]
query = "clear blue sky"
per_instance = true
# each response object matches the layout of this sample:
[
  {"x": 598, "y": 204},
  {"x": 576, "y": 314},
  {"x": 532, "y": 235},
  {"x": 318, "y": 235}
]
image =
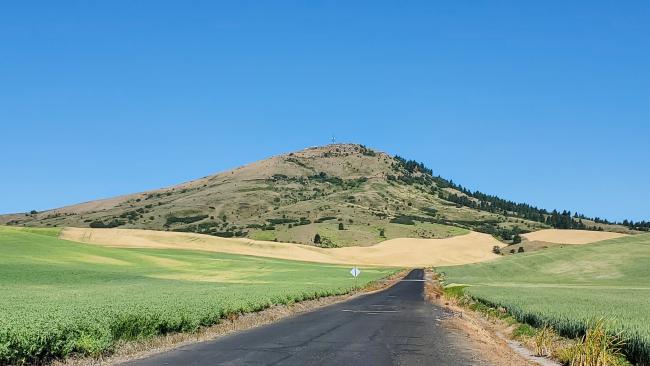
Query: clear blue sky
[{"x": 545, "y": 102}]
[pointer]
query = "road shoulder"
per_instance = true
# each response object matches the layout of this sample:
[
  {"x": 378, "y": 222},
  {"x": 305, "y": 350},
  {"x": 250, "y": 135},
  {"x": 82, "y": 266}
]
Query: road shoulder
[{"x": 486, "y": 336}]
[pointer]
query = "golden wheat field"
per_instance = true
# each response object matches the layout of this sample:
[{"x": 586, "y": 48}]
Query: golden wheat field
[
  {"x": 404, "y": 252},
  {"x": 570, "y": 236}
]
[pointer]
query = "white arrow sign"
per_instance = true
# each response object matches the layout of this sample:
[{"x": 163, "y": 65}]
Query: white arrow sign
[{"x": 355, "y": 272}]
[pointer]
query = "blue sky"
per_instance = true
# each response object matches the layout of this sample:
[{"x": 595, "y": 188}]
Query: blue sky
[{"x": 544, "y": 102}]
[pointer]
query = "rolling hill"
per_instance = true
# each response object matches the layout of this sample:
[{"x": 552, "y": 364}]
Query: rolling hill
[{"x": 329, "y": 196}]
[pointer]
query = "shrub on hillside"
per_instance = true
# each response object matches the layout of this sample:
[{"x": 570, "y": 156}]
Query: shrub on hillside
[
  {"x": 366, "y": 151},
  {"x": 283, "y": 220},
  {"x": 327, "y": 243},
  {"x": 184, "y": 220},
  {"x": 430, "y": 211},
  {"x": 111, "y": 224},
  {"x": 325, "y": 218},
  {"x": 403, "y": 220}
]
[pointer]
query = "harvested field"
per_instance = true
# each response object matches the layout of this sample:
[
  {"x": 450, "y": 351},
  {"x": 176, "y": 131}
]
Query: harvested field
[
  {"x": 470, "y": 248},
  {"x": 570, "y": 236}
]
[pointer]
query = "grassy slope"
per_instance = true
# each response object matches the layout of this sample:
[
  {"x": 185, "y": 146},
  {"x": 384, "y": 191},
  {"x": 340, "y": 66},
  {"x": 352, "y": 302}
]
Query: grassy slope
[
  {"x": 569, "y": 286},
  {"x": 355, "y": 234},
  {"x": 286, "y": 186},
  {"x": 59, "y": 297}
]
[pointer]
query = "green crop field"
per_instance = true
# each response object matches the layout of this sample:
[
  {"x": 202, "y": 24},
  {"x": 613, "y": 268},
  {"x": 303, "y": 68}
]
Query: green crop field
[
  {"x": 567, "y": 287},
  {"x": 60, "y": 298}
]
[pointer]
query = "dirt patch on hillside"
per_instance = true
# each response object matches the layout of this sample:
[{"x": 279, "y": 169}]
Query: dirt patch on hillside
[
  {"x": 571, "y": 236},
  {"x": 406, "y": 252}
]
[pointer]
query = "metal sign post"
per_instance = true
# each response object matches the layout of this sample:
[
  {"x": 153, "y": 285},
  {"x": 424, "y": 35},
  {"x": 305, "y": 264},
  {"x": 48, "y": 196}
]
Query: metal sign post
[{"x": 355, "y": 272}]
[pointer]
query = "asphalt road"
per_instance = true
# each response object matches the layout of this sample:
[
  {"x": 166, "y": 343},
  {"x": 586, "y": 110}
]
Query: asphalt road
[{"x": 392, "y": 327}]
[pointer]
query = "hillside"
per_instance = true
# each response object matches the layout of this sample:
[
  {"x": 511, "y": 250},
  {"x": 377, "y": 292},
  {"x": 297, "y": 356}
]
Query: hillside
[{"x": 347, "y": 194}]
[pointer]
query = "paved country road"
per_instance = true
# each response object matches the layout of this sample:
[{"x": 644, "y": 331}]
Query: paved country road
[{"x": 395, "y": 326}]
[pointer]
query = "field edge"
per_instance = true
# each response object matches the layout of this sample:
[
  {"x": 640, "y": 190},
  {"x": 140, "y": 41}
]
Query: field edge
[{"x": 137, "y": 349}]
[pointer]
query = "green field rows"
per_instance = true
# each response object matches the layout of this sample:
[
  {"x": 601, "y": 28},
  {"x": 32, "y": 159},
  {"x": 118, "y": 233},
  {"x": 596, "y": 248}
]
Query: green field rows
[
  {"x": 59, "y": 297},
  {"x": 567, "y": 287}
]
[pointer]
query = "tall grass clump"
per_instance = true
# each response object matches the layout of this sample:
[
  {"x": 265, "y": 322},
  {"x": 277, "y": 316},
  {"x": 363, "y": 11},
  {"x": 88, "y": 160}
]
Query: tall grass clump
[
  {"x": 596, "y": 348},
  {"x": 544, "y": 341}
]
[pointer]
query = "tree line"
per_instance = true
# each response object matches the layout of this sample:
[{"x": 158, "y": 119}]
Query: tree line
[{"x": 496, "y": 204}]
